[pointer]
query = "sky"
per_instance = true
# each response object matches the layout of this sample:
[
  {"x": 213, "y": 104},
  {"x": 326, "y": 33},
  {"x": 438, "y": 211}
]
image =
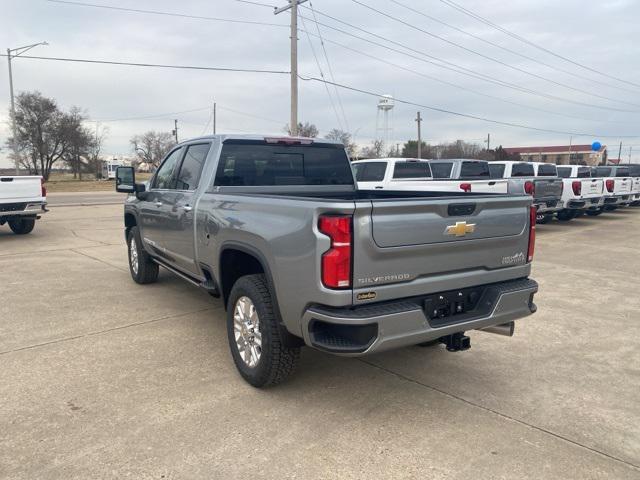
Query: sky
[{"x": 490, "y": 75}]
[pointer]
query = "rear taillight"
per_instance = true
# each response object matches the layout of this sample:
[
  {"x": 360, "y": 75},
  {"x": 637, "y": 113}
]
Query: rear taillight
[
  {"x": 561, "y": 188},
  {"x": 43, "y": 189},
  {"x": 529, "y": 187},
  {"x": 532, "y": 232},
  {"x": 465, "y": 187},
  {"x": 577, "y": 187},
  {"x": 610, "y": 184},
  {"x": 336, "y": 262}
]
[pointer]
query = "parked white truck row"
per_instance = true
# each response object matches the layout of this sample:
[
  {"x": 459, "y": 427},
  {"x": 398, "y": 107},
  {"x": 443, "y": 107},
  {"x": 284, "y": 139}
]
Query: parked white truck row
[
  {"x": 564, "y": 191},
  {"x": 22, "y": 200}
]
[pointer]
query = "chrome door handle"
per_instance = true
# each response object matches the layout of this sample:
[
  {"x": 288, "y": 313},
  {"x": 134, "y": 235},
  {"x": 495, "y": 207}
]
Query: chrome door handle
[
  {"x": 187, "y": 208},
  {"x": 158, "y": 204}
]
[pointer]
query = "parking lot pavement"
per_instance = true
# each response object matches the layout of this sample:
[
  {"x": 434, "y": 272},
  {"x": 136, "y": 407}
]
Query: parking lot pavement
[
  {"x": 84, "y": 198},
  {"x": 102, "y": 378}
]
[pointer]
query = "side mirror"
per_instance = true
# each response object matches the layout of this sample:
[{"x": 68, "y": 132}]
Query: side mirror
[{"x": 125, "y": 180}]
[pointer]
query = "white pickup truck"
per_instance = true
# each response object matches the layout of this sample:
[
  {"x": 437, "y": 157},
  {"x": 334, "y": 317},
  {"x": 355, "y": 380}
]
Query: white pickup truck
[
  {"x": 581, "y": 193},
  {"x": 22, "y": 200},
  {"x": 634, "y": 171},
  {"x": 412, "y": 174},
  {"x": 618, "y": 185}
]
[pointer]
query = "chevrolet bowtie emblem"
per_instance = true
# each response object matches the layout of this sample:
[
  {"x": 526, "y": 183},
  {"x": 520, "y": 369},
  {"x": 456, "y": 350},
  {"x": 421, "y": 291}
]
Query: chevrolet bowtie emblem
[{"x": 460, "y": 229}]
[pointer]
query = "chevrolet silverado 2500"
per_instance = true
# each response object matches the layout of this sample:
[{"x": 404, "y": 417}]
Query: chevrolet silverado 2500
[
  {"x": 581, "y": 193},
  {"x": 22, "y": 200},
  {"x": 300, "y": 256}
]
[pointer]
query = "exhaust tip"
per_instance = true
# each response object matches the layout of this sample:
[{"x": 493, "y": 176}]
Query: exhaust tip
[{"x": 505, "y": 329}]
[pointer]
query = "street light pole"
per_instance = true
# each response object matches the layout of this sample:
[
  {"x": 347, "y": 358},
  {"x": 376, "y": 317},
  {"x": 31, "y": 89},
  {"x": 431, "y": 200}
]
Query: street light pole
[
  {"x": 293, "y": 6},
  {"x": 18, "y": 51}
]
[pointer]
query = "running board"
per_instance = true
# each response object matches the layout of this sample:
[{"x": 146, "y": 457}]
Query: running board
[{"x": 209, "y": 286}]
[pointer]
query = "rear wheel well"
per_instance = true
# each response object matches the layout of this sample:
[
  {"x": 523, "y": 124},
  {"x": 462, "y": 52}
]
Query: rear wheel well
[{"x": 235, "y": 264}]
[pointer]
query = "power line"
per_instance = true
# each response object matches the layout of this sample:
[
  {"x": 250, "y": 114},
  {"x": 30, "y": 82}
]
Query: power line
[
  {"x": 169, "y": 14},
  {"x": 513, "y": 52},
  {"x": 266, "y": 119},
  {"x": 326, "y": 86},
  {"x": 155, "y": 65},
  {"x": 445, "y": 82},
  {"x": 466, "y": 115},
  {"x": 487, "y": 57},
  {"x": 256, "y": 3},
  {"x": 326, "y": 57},
  {"x": 445, "y": 64},
  {"x": 469, "y": 13}
]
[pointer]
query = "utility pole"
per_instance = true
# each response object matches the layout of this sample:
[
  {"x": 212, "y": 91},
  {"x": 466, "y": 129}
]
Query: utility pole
[
  {"x": 17, "y": 52},
  {"x": 419, "y": 120},
  {"x": 293, "y": 6},
  {"x": 175, "y": 130},
  {"x": 630, "y": 148},
  {"x": 488, "y": 142},
  {"x": 620, "y": 152},
  {"x": 214, "y": 118}
]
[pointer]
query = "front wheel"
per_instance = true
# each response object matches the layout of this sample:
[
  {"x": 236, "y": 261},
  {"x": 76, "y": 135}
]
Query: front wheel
[
  {"x": 254, "y": 333},
  {"x": 22, "y": 226},
  {"x": 143, "y": 269}
]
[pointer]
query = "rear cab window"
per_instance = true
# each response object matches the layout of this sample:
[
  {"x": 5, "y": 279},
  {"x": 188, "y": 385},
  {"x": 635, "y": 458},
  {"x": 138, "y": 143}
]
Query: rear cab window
[
  {"x": 496, "y": 170},
  {"x": 370, "y": 171},
  {"x": 622, "y": 172},
  {"x": 441, "y": 169},
  {"x": 547, "y": 170},
  {"x": 474, "y": 170},
  {"x": 634, "y": 170},
  {"x": 602, "y": 171},
  {"x": 411, "y": 171},
  {"x": 584, "y": 172},
  {"x": 252, "y": 163},
  {"x": 522, "y": 170},
  {"x": 564, "y": 172}
]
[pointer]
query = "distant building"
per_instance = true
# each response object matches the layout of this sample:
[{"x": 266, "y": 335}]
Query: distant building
[{"x": 561, "y": 154}]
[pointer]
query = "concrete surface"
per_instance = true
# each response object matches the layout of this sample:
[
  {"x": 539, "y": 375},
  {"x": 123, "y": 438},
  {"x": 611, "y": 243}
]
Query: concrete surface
[{"x": 102, "y": 378}]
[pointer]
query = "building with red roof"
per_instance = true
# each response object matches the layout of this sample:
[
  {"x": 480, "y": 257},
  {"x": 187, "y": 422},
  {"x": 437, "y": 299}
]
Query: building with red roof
[{"x": 561, "y": 154}]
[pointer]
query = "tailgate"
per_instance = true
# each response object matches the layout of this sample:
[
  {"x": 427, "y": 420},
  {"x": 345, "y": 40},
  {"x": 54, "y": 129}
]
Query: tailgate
[
  {"x": 490, "y": 186},
  {"x": 20, "y": 189},
  {"x": 440, "y": 242},
  {"x": 548, "y": 188},
  {"x": 623, "y": 185},
  {"x": 592, "y": 187}
]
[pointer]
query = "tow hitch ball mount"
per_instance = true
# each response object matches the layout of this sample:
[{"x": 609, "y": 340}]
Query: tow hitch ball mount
[{"x": 456, "y": 342}]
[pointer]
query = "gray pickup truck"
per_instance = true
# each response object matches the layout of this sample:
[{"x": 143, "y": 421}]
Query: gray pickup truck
[{"x": 278, "y": 229}]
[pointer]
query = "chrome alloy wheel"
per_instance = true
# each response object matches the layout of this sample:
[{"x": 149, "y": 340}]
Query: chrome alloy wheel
[
  {"x": 246, "y": 329},
  {"x": 133, "y": 255}
]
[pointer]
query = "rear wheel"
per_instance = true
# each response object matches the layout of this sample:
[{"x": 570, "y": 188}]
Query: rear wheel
[
  {"x": 566, "y": 215},
  {"x": 255, "y": 338},
  {"x": 593, "y": 213},
  {"x": 21, "y": 225},
  {"x": 143, "y": 269},
  {"x": 543, "y": 218}
]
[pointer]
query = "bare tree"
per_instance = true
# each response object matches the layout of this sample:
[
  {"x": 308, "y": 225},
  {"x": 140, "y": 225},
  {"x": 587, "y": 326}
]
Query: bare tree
[
  {"x": 151, "y": 147},
  {"x": 95, "y": 149},
  {"x": 305, "y": 129},
  {"x": 79, "y": 139},
  {"x": 43, "y": 132},
  {"x": 345, "y": 139},
  {"x": 375, "y": 150}
]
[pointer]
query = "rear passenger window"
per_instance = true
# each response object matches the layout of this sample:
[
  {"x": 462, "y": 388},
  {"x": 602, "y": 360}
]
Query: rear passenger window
[
  {"x": 496, "y": 170},
  {"x": 564, "y": 172},
  {"x": 409, "y": 170},
  {"x": 370, "y": 171},
  {"x": 522, "y": 170},
  {"x": 191, "y": 168},
  {"x": 474, "y": 170},
  {"x": 441, "y": 170},
  {"x": 547, "y": 170}
]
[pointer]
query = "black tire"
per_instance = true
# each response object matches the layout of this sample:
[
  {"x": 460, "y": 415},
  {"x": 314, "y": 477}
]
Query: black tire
[
  {"x": 593, "y": 213},
  {"x": 544, "y": 218},
  {"x": 566, "y": 215},
  {"x": 147, "y": 269},
  {"x": 21, "y": 225},
  {"x": 578, "y": 213},
  {"x": 276, "y": 361}
]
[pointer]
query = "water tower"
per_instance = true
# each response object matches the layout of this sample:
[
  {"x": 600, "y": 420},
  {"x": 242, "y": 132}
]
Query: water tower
[{"x": 384, "y": 128}]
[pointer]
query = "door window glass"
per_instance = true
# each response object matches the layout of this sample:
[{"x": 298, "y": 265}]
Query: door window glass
[
  {"x": 164, "y": 179},
  {"x": 191, "y": 168}
]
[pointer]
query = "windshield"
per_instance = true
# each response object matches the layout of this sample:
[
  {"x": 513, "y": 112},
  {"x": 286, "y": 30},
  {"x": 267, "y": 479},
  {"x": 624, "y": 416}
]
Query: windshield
[{"x": 370, "y": 171}]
